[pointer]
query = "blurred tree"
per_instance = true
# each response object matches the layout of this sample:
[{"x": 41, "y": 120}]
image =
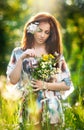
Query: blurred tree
[
  {"x": 73, "y": 29},
  {"x": 72, "y": 21},
  {"x": 11, "y": 20}
]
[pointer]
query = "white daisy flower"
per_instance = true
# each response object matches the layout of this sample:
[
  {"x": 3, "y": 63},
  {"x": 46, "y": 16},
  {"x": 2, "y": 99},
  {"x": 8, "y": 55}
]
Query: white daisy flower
[{"x": 32, "y": 28}]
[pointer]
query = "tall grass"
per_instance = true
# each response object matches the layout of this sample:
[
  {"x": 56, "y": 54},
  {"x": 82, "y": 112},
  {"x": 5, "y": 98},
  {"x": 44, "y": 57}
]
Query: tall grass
[{"x": 74, "y": 113}]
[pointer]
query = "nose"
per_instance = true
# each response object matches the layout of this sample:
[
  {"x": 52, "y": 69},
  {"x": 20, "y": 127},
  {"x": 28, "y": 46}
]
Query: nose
[{"x": 42, "y": 34}]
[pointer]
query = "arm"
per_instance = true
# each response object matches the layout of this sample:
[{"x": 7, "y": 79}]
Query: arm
[
  {"x": 15, "y": 73},
  {"x": 41, "y": 85},
  {"x": 57, "y": 86}
]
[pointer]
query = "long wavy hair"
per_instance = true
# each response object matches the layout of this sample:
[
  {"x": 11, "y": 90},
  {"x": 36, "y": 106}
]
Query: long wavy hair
[{"x": 54, "y": 41}]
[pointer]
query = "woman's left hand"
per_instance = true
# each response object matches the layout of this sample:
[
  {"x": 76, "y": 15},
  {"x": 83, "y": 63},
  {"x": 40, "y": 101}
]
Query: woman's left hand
[{"x": 37, "y": 85}]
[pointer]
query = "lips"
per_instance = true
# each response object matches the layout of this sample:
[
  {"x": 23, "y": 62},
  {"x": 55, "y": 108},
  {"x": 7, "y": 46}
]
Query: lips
[{"x": 41, "y": 40}]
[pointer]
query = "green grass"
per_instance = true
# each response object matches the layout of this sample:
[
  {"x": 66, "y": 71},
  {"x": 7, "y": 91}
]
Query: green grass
[{"x": 74, "y": 114}]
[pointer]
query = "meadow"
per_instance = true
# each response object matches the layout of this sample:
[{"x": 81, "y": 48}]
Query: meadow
[{"x": 9, "y": 106}]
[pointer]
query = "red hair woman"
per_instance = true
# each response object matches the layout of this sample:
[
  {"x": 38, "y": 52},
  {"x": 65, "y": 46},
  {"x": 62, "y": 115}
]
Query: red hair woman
[{"x": 41, "y": 36}]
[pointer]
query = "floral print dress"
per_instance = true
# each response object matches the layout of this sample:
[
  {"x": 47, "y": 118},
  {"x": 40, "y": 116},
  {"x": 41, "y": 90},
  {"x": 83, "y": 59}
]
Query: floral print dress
[{"x": 46, "y": 102}]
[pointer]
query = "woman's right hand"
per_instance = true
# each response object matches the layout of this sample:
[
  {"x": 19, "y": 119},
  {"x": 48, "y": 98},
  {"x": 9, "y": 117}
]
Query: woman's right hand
[{"x": 28, "y": 53}]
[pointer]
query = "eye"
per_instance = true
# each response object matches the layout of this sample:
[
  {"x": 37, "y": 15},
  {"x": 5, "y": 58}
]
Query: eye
[{"x": 47, "y": 32}]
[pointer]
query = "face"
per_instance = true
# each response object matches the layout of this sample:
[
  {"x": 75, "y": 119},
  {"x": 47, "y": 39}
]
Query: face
[{"x": 43, "y": 33}]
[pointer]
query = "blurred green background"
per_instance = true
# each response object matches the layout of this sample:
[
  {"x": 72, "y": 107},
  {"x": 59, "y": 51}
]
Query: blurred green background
[{"x": 70, "y": 13}]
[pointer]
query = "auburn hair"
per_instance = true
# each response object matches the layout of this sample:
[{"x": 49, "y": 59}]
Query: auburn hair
[{"x": 53, "y": 43}]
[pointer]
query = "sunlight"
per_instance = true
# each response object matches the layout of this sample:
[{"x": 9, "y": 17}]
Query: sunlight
[
  {"x": 69, "y": 2},
  {"x": 11, "y": 93},
  {"x": 42, "y": 5}
]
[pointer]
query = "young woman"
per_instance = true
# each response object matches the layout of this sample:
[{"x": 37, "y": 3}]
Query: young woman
[{"x": 41, "y": 36}]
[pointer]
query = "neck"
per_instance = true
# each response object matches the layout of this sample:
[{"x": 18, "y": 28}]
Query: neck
[
  {"x": 40, "y": 49},
  {"x": 39, "y": 46}
]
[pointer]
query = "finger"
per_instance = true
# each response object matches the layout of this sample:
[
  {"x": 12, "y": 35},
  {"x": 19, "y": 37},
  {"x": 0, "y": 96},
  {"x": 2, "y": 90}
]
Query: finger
[
  {"x": 37, "y": 89},
  {"x": 32, "y": 55},
  {"x": 33, "y": 82},
  {"x": 33, "y": 86}
]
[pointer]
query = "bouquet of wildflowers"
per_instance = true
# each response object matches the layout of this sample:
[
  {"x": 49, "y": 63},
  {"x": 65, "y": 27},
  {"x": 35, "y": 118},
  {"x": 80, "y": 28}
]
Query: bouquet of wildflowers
[{"x": 46, "y": 67}]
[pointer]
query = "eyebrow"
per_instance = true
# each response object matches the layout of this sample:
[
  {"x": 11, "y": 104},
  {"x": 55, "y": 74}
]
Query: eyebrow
[{"x": 45, "y": 30}]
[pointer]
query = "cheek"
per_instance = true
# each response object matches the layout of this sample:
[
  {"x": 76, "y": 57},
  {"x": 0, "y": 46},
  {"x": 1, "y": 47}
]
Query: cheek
[
  {"x": 36, "y": 35},
  {"x": 47, "y": 36}
]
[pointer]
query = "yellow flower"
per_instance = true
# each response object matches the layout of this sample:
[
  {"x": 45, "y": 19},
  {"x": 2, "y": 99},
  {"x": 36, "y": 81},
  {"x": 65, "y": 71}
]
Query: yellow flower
[
  {"x": 45, "y": 57},
  {"x": 51, "y": 56}
]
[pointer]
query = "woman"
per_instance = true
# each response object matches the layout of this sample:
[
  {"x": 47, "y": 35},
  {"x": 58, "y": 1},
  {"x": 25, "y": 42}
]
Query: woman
[{"x": 41, "y": 36}]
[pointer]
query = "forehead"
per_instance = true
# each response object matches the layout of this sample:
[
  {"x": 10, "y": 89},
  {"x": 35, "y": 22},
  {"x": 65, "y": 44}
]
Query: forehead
[{"x": 44, "y": 25}]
